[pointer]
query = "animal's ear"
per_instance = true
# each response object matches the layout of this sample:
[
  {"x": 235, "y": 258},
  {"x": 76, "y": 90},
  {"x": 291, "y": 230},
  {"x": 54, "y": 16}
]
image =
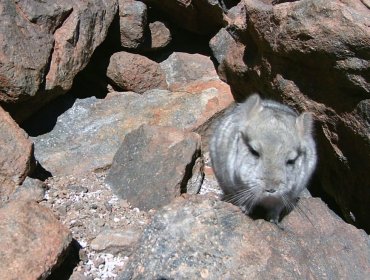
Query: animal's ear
[
  {"x": 252, "y": 106},
  {"x": 304, "y": 124}
]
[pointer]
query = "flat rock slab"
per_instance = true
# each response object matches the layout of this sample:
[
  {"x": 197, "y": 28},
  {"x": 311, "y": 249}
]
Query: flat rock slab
[
  {"x": 87, "y": 135},
  {"x": 32, "y": 241},
  {"x": 154, "y": 165},
  {"x": 203, "y": 238},
  {"x": 16, "y": 154}
]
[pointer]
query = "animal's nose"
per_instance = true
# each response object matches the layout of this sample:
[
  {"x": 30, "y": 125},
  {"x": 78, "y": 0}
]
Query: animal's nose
[{"x": 270, "y": 190}]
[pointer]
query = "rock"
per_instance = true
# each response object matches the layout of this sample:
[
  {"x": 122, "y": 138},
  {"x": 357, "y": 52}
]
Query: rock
[
  {"x": 312, "y": 55},
  {"x": 31, "y": 189},
  {"x": 16, "y": 155},
  {"x": 200, "y": 237},
  {"x": 158, "y": 37},
  {"x": 153, "y": 166},
  {"x": 221, "y": 43},
  {"x": 133, "y": 23},
  {"x": 134, "y": 72},
  {"x": 195, "y": 73},
  {"x": 31, "y": 24},
  {"x": 33, "y": 241},
  {"x": 115, "y": 241},
  {"x": 184, "y": 70},
  {"x": 87, "y": 135},
  {"x": 60, "y": 36},
  {"x": 198, "y": 16}
]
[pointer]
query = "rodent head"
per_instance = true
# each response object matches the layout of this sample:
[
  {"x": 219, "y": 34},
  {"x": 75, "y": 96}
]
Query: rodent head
[{"x": 275, "y": 155}]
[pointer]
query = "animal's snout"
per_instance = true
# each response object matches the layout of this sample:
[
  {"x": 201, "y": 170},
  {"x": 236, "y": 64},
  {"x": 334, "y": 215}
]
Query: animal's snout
[{"x": 271, "y": 190}]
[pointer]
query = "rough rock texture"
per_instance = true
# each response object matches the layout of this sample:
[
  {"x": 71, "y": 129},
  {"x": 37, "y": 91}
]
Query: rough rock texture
[
  {"x": 16, "y": 155},
  {"x": 313, "y": 55},
  {"x": 92, "y": 129},
  {"x": 32, "y": 241},
  {"x": 158, "y": 37},
  {"x": 44, "y": 45},
  {"x": 26, "y": 44},
  {"x": 115, "y": 241},
  {"x": 185, "y": 71},
  {"x": 132, "y": 22},
  {"x": 198, "y": 16},
  {"x": 198, "y": 238},
  {"x": 30, "y": 190},
  {"x": 154, "y": 165},
  {"x": 134, "y": 72}
]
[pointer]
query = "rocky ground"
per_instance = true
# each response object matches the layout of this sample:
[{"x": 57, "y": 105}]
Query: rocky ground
[
  {"x": 103, "y": 87},
  {"x": 106, "y": 227}
]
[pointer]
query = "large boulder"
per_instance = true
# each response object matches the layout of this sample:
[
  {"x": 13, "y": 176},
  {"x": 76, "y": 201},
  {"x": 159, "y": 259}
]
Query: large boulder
[
  {"x": 32, "y": 241},
  {"x": 313, "y": 55},
  {"x": 16, "y": 155},
  {"x": 44, "y": 45},
  {"x": 87, "y": 135},
  {"x": 204, "y": 238},
  {"x": 155, "y": 164}
]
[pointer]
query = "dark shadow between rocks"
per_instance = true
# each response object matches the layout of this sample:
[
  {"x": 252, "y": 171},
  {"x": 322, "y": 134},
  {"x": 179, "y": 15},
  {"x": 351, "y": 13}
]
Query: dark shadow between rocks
[
  {"x": 71, "y": 260},
  {"x": 39, "y": 172},
  {"x": 92, "y": 81},
  {"x": 183, "y": 41},
  {"x": 45, "y": 119}
]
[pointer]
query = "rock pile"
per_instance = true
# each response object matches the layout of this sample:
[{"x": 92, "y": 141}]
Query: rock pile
[{"x": 122, "y": 162}]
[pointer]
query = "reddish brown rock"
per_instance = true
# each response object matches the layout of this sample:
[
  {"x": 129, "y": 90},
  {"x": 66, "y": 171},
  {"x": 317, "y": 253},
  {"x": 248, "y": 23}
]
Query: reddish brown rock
[
  {"x": 32, "y": 241},
  {"x": 44, "y": 45},
  {"x": 198, "y": 16},
  {"x": 133, "y": 23},
  {"x": 203, "y": 238},
  {"x": 134, "y": 72},
  {"x": 312, "y": 55},
  {"x": 154, "y": 165},
  {"x": 16, "y": 155},
  {"x": 30, "y": 24},
  {"x": 159, "y": 37}
]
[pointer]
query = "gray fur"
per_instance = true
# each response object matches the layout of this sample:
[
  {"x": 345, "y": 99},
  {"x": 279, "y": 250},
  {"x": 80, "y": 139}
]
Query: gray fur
[{"x": 263, "y": 154}]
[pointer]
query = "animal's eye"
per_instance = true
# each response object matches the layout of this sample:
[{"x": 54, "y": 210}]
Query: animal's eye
[
  {"x": 253, "y": 151},
  {"x": 292, "y": 158},
  {"x": 251, "y": 145}
]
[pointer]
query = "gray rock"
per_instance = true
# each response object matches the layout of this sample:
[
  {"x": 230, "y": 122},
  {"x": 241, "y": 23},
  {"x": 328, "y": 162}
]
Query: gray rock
[
  {"x": 16, "y": 155},
  {"x": 203, "y": 238},
  {"x": 133, "y": 22},
  {"x": 134, "y": 72},
  {"x": 86, "y": 136},
  {"x": 184, "y": 69},
  {"x": 31, "y": 189},
  {"x": 153, "y": 166},
  {"x": 116, "y": 241},
  {"x": 32, "y": 241}
]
